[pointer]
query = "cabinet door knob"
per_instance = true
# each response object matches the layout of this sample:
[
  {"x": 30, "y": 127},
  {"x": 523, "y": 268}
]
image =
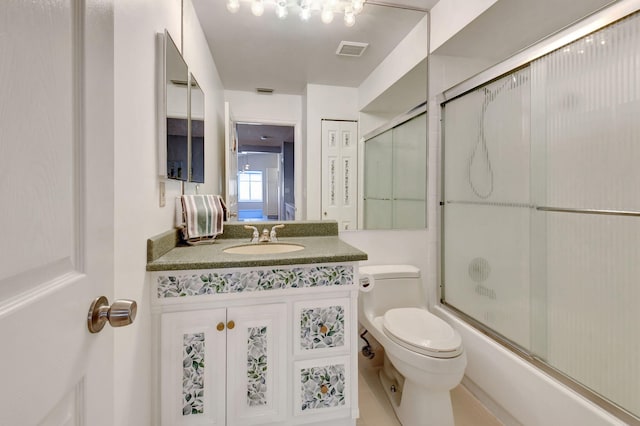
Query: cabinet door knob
[
  {"x": 220, "y": 326},
  {"x": 231, "y": 324},
  {"x": 324, "y": 389}
]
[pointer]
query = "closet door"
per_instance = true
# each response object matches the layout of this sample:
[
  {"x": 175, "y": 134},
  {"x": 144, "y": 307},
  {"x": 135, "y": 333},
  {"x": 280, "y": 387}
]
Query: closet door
[{"x": 340, "y": 172}]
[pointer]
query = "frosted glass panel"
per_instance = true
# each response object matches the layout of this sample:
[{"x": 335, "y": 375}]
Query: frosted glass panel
[
  {"x": 378, "y": 167},
  {"x": 395, "y": 177},
  {"x": 410, "y": 159},
  {"x": 593, "y": 265},
  {"x": 486, "y": 265},
  {"x": 487, "y": 149},
  {"x": 409, "y": 214},
  {"x": 378, "y": 214},
  {"x": 587, "y": 105},
  {"x": 541, "y": 237},
  {"x": 586, "y": 148}
]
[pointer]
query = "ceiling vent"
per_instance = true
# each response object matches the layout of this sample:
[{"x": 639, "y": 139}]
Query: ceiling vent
[
  {"x": 351, "y": 48},
  {"x": 264, "y": 90}
]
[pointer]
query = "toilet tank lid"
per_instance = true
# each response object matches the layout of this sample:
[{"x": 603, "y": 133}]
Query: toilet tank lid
[{"x": 379, "y": 272}]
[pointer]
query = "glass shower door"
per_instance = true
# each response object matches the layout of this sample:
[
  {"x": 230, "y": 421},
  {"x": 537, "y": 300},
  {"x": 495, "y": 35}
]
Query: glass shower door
[{"x": 541, "y": 215}]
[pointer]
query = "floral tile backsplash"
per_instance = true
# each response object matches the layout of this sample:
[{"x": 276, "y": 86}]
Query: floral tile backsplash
[
  {"x": 322, "y": 327},
  {"x": 322, "y": 387},
  {"x": 257, "y": 366},
  {"x": 257, "y": 280},
  {"x": 193, "y": 374}
]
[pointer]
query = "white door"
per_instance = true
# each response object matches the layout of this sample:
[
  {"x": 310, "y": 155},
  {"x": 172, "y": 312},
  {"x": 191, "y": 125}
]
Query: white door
[
  {"x": 56, "y": 192},
  {"x": 231, "y": 163},
  {"x": 340, "y": 172}
]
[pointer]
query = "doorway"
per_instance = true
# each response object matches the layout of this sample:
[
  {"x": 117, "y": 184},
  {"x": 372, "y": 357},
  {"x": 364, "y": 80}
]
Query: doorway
[{"x": 265, "y": 184}]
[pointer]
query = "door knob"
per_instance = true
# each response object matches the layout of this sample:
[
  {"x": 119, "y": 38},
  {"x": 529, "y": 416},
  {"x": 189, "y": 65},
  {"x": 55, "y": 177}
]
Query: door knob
[{"x": 120, "y": 313}]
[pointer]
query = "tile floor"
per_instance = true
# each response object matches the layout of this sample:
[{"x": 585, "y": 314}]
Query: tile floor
[{"x": 375, "y": 409}]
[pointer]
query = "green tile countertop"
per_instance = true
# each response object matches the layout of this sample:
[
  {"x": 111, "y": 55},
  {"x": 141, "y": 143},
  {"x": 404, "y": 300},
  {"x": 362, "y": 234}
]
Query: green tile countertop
[{"x": 320, "y": 239}]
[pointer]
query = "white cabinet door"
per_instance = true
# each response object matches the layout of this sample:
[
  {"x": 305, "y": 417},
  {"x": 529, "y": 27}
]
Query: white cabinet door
[
  {"x": 193, "y": 366},
  {"x": 256, "y": 364}
]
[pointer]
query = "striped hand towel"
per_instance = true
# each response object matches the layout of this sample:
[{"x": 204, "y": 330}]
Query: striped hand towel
[{"x": 203, "y": 215}]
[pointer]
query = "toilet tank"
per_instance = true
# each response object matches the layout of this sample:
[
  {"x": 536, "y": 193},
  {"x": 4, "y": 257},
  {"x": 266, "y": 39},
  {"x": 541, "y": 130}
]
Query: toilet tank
[{"x": 395, "y": 286}]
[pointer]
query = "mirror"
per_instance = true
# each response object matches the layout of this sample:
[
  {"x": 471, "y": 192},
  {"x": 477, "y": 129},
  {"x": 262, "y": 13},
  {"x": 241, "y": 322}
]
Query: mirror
[
  {"x": 180, "y": 117},
  {"x": 289, "y": 55},
  {"x": 196, "y": 124},
  {"x": 395, "y": 174}
]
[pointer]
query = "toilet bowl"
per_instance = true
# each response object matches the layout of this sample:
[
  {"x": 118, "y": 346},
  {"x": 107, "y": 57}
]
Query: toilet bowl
[{"x": 424, "y": 356}]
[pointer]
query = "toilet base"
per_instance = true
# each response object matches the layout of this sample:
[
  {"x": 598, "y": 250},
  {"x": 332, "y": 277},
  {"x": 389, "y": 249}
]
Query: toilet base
[{"x": 416, "y": 406}]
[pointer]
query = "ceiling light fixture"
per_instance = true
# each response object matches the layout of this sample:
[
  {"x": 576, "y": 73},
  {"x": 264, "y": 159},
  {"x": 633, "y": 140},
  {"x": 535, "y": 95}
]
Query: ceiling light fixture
[{"x": 305, "y": 8}]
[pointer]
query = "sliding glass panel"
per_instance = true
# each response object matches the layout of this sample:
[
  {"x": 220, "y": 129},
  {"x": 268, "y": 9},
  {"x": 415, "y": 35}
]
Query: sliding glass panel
[
  {"x": 586, "y": 148},
  {"x": 487, "y": 214}
]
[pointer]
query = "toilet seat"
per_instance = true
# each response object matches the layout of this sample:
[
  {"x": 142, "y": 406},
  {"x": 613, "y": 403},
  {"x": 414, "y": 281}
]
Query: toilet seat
[{"x": 420, "y": 331}]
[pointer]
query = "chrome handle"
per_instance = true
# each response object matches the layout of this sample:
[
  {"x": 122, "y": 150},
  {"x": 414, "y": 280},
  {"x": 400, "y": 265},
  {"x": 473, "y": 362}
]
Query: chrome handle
[{"x": 120, "y": 313}]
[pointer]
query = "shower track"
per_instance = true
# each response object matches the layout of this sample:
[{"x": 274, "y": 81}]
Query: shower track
[{"x": 548, "y": 208}]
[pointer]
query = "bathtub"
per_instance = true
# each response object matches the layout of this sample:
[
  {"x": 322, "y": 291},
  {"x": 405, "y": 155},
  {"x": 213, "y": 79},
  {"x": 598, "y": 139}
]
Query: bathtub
[{"x": 517, "y": 392}]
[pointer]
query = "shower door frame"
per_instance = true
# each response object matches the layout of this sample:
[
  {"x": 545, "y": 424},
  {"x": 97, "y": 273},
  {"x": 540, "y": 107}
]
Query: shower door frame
[{"x": 594, "y": 22}]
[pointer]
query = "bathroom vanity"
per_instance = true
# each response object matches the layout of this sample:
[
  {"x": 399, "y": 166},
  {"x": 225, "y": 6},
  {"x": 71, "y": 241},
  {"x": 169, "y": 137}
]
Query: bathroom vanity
[{"x": 257, "y": 338}]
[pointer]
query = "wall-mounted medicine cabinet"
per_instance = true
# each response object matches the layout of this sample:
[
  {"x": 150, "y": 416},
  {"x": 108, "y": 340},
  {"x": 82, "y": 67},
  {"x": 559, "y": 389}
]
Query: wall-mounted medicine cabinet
[{"x": 180, "y": 116}]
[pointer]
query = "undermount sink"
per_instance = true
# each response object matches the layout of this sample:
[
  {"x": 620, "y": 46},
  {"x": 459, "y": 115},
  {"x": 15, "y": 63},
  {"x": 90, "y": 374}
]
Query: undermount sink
[{"x": 264, "y": 248}]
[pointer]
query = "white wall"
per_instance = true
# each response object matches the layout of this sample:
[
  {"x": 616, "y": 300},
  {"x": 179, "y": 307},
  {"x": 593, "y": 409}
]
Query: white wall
[
  {"x": 137, "y": 212},
  {"x": 409, "y": 53},
  {"x": 450, "y": 16},
  {"x": 330, "y": 103}
]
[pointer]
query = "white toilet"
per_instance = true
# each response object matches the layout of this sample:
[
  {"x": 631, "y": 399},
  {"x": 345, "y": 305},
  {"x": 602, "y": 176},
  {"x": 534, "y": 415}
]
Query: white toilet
[{"x": 424, "y": 358}]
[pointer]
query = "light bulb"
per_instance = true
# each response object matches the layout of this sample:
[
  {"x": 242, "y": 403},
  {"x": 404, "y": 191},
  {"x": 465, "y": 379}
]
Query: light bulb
[
  {"x": 281, "y": 12},
  {"x": 327, "y": 15},
  {"x": 349, "y": 19},
  {"x": 305, "y": 12},
  {"x": 257, "y": 7},
  {"x": 233, "y": 5},
  {"x": 358, "y": 5},
  {"x": 281, "y": 9}
]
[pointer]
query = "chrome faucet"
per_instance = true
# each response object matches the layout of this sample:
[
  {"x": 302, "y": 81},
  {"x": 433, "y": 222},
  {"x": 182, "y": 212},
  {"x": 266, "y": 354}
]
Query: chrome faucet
[
  {"x": 273, "y": 238},
  {"x": 264, "y": 238},
  {"x": 254, "y": 237}
]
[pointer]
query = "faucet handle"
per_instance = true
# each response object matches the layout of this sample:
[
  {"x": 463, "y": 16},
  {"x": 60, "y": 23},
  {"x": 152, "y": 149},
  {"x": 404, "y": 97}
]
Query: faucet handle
[
  {"x": 273, "y": 236},
  {"x": 255, "y": 235}
]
